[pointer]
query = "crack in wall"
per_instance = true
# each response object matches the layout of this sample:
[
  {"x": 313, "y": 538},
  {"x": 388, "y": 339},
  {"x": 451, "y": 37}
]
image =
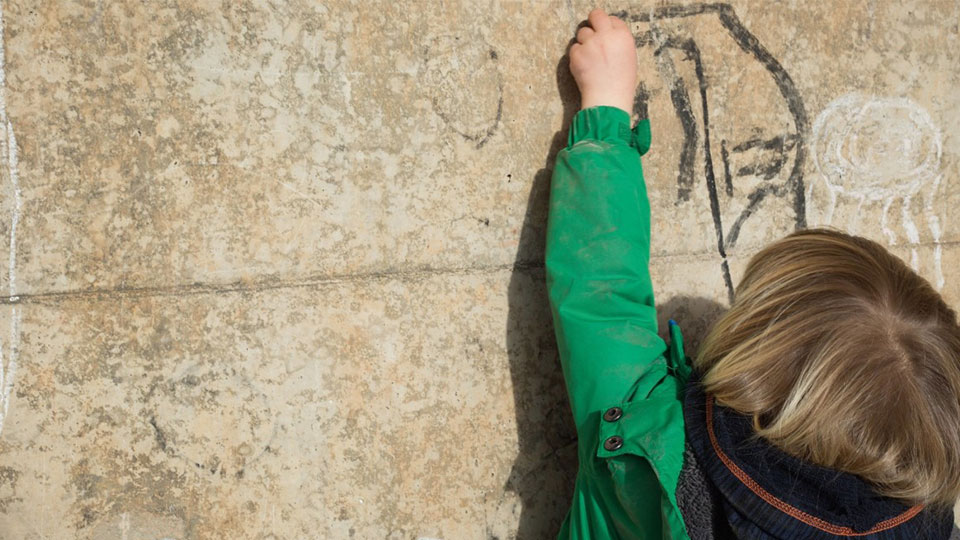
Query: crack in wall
[{"x": 318, "y": 281}]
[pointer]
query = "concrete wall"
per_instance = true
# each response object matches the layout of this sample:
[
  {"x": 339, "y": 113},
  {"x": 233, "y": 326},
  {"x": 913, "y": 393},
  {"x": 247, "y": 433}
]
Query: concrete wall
[{"x": 275, "y": 269}]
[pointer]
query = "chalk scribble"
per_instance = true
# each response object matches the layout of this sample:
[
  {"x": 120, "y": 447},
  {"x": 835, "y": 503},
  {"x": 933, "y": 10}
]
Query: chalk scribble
[{"x": 872, "y": 150}]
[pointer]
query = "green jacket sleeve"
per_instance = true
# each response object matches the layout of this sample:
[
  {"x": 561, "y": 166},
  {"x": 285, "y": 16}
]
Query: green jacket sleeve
[
  {"x": 597, "y": 261},
  {"x": 623, "y": 382}
]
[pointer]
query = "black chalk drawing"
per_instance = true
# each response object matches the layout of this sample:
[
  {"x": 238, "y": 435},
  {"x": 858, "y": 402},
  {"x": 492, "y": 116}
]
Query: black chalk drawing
[
  {"x": 182, "y": 413},
  {"x": 784, "y": 152},
  {"x": 479, "y": 138},
  {"x": 462, "y": 75}
]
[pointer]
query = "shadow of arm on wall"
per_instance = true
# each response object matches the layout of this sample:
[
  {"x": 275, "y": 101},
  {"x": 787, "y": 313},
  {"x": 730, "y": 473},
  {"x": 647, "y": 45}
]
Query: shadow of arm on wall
[
  {"x": 546, "y": 464},
  {"x": 695, "y": 315}
]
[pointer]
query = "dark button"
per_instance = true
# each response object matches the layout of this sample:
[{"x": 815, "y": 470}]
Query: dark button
[
  {"x": 613, "y": 414},
  {"x": 613, "y": 443}
]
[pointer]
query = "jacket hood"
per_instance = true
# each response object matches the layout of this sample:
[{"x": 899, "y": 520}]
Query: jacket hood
[{"x": 768, "y": 494}]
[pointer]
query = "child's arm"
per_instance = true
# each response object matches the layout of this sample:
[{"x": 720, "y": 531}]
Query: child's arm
[
  {"x": 598, "y": 236},
  {"x": 623, "y": 389}
]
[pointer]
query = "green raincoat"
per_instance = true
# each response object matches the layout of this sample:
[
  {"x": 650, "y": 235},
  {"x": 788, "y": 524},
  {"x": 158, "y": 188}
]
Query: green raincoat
[{"x": 625, "y": 384}]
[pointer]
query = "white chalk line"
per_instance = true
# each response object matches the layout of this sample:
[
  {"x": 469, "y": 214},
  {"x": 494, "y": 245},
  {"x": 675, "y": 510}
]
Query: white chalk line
[
  {"x": 8, "y": 373},
  {"x": 933, "y": 223},
  {"x": 125, "y": 526},
  {"x": 11, "y": 371},
  {"x": 855, "y": 218},
  {"x": 911, "y": 229},
  {"x": 891, "y": 237}
]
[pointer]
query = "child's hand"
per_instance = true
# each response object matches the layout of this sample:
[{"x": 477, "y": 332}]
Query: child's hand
[{"x": 604, "y": 62}]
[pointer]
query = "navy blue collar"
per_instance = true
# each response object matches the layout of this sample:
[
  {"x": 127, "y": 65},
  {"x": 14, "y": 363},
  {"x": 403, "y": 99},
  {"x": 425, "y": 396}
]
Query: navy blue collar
[{"x": 768, "y": 494}]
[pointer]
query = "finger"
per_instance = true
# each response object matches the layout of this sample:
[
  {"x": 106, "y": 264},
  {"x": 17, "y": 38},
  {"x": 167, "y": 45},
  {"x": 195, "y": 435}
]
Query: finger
[
  {"x": 584, "y": 34},
  {"x": 599, "y": 20}
]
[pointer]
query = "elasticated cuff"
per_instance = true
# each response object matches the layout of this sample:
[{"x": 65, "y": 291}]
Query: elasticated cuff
[{"x": 609, "y": 124}]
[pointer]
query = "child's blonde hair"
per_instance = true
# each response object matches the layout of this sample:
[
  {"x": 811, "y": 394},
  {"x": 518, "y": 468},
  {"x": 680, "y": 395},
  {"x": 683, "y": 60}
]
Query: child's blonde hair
[{"x": 846, "y": 358}]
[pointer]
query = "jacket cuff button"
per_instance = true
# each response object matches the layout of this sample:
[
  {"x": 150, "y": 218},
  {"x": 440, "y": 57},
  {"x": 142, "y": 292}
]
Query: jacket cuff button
[
  {"x": 613, "y": 443},
  {"x": 613, "y": 414}
]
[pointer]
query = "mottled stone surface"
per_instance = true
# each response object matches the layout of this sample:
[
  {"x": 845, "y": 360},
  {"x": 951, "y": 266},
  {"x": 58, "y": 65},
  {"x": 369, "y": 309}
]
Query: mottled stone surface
[{"x": 274, "y": 269}]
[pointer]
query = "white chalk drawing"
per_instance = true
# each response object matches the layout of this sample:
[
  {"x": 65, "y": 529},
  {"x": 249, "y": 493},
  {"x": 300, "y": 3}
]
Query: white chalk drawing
[
  {"x": 8, "y": 372},
  {"x": 125, "y": 526},
  {"x": 872, "y": 150}
]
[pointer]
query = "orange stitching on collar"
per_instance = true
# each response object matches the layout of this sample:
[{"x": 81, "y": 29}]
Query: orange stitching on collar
[{"x": 796, "y": 513}]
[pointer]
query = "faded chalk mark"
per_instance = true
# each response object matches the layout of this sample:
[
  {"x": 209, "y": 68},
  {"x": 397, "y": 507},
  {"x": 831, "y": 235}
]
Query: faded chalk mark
[
  {"x": 11, "y": 371},
  {"x": 302, "y": 195},
  {"x": 8, "y": 373},
  {"x": 456, "y": 62},
  {"x": 933, "y": 223},
  {"x": 124, "y": 526},
  {"x": 216, "y": 436},
  {"x": 880, "y": 151}
]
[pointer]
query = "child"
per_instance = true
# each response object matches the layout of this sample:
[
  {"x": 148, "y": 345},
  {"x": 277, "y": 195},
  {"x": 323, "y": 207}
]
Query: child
[{"x": 824, "y": 404}]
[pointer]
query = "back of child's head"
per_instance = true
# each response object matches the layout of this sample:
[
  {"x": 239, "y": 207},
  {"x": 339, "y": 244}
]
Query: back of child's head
[{"x": 846, "y": 358}]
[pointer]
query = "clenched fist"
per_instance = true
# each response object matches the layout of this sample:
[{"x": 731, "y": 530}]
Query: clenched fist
[{"x": 604, "y": 62}]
